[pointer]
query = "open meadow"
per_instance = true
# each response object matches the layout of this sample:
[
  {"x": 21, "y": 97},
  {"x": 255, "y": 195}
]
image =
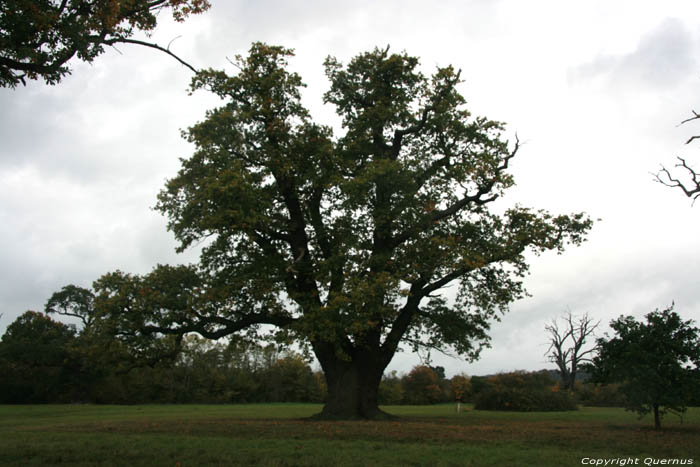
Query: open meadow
[{"x": 281, "y": 434}]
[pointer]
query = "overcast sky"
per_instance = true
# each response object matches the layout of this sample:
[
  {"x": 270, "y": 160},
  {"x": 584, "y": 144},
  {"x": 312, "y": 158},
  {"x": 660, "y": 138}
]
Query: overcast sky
[{"x": 595, "y": 89}]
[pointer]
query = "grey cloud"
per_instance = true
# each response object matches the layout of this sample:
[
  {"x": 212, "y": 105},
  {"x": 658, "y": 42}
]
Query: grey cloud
[
  {"x": 341, "y": 28},
  {"x": 664, "y": 57}
]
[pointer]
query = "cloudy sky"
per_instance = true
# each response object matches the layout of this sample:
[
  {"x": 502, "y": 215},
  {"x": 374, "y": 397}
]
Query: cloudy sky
[{"x": 595, "y": 89}]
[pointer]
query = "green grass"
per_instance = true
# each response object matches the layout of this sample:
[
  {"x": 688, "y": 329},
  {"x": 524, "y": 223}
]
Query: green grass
[{"x": 281, "y": 434}]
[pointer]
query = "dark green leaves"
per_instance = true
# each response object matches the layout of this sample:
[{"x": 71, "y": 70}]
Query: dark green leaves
[{"x": 657, "y": 361}]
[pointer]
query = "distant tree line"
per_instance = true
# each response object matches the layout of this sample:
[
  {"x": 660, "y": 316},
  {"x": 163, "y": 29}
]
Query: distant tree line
[{"x": 45, "y": 361}]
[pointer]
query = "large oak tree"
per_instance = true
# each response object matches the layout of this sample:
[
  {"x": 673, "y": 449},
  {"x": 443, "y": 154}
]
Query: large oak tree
[{"x": 345, "y": 243}]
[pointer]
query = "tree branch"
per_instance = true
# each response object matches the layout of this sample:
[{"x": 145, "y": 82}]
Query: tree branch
[
  {"x": 124, "y": 40},
  {"x": 230, "y": 326},
  {"x": 477, "y": 198},
  {"x": 664, "y": 177},
  {"x": 690, "y": 191}
]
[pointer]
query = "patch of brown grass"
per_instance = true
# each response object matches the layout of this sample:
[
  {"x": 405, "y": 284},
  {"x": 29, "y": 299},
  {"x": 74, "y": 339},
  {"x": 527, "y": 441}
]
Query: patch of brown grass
[{"x": 594, "y": 435}]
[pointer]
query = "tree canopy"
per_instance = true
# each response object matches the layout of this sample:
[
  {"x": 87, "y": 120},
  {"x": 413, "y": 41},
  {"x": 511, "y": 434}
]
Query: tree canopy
[
  {"x": 342, "y": 242},
  {"x": 39, "y": 37},
  {"x": 657, "y": 362},
  {"x": 35, "y": 359}
]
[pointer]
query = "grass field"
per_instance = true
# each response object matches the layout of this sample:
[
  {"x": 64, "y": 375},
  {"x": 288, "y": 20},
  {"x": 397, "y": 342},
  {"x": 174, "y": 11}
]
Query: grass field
[{"x": 280, "y": 434}]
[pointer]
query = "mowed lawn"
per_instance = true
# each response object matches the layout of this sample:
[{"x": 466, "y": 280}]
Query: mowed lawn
[{"x": 281, "y": 434}]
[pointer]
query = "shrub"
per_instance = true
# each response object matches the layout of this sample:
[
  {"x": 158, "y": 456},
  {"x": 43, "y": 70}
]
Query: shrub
[
  {"x": 391, "y": 390},
  {"x": 421, "y": 386},
  {"x": 523, "y": 392},
  {"x": 601, "y": 395}
]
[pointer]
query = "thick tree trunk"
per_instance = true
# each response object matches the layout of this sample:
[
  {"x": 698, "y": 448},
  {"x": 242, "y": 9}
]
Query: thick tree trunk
[{"x": 353, "y": 387}]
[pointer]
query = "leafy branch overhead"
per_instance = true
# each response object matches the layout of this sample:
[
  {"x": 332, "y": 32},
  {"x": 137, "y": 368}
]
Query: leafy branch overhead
[{"x": 39, "y": 37}]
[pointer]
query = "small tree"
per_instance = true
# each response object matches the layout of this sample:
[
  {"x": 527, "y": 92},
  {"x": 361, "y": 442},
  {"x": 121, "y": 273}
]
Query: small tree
[
  {"x": 421, "y": 386},
  {"x": 657, "y": 362},
  {"x": 36, "y": 360},
  {"x": 461, "y": 387},
  {"x": 39, "y": 37},
  {"x": 566, "y": 346}
]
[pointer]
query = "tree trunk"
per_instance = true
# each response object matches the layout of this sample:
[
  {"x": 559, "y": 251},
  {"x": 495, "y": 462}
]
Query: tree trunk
[
  {"x": 657, "y": 419},
  {"x": 353, "y": 387}
]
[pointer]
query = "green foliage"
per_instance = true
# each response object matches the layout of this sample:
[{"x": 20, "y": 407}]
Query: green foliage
[
  {"x": 657, "y": 363},
  {"x": 45, "y": 361},
  {"x": 339, "y": 242},
  {"x": 342, "y": 240},
  {"x": 36, "y": 361},
  {"x": 290, "y": 379},
  {"x": 39, "y": 37},
  {"x": 391, "y": 390},
  {"x": 421, "y": 386},
  {"x": 478, "y": 383},
  {"x": 523, "y": 392},
  {"x": 600, "y": 395},
  {"x": 461, "y": 388}
]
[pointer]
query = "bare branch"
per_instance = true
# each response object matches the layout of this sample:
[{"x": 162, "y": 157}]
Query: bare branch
[
  {"x": 695, "y": 116},
  {"x": 153, "y": 46},
  {"x": 665, "y": 178},
  {"x": 690, "y": 188},
  {"x": 569, "y": 359}
]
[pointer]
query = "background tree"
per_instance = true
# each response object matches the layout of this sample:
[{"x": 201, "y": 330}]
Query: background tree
[
  {"x": 421, "y": 386},
  {"x": 290, "y": 379},
  {"x": 691, "y": 185},
  {"x": 107, "y": 344},
  {"x": 391, "y": 391},
  {"x": 521, "y": 391},
  {"x": 566, "y": 346},
  {"x": 461, "y": 387},
  {"x": 74, "y": 302},
  {"x": 42, "y": 361},
  {"x": 36, "y": 361},
  {"x": 39, "y": 37},
  {"x": 657, "y": 362},
  {"x": 342, "y": 243}
]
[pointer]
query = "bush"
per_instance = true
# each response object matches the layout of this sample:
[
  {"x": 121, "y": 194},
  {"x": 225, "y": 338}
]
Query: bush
[
  {"x": 601, "y": 395},
  {"x": 421, "y": 386},
  {"x": 461, "y": 388},
  {"x": 523, "y": 392},
  {"x": 391, "y": 390}
]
